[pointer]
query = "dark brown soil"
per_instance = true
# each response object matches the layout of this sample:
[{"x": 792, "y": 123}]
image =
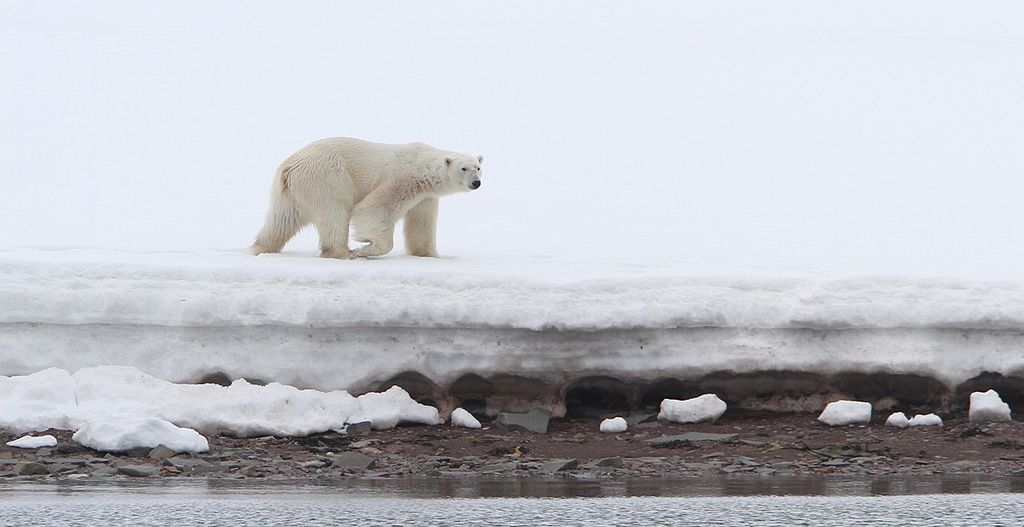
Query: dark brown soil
[{"x": 765, "y": 445}]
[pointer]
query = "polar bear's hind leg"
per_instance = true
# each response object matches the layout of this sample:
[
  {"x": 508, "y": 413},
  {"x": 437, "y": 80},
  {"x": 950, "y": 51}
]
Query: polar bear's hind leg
[
  {"x": 282, "y": 223},
  {"x": 332, "y": 227}
]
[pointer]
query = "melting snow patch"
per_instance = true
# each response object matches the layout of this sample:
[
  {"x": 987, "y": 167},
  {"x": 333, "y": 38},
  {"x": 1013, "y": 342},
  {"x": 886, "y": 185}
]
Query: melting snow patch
[
  {"x": 707, "y": 407},
  {"x": 614, "y": 425},
  {"x": 988, "y": 406},
  {"x": 846, "y": 413},
  {"x": 926, "y": 420},
  {"x": 57, "y": 399},
  {"x": 897, "y": 419},
  {"x": 33, "y": 442},
  {"x": 117, "y": 434},
  {"x": 464, "y": 419}
]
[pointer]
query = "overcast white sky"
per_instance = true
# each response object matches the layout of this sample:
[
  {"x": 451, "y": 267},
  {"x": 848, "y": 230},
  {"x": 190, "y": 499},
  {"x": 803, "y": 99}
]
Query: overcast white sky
[{"x": 837, "y": 137}]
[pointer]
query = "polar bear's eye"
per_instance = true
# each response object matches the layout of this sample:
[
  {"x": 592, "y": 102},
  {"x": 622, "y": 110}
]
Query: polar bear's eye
[{"x": 463, "y": 169}]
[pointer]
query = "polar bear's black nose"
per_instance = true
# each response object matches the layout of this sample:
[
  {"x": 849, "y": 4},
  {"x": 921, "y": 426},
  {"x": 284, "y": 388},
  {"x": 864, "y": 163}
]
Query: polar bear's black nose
[{"x": 475, "y": 184}]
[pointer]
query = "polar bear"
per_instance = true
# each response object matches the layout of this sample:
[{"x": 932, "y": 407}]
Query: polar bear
[{"x": 339, "y": 180}]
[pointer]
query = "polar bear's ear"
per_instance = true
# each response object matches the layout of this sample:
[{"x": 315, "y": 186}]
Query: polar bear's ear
[
  {"x": 447, "y": 161},
  {"x": 479, "y": 159}
]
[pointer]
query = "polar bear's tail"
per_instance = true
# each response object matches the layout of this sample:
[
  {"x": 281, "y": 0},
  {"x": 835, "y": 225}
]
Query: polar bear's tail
[{"x": 283, "y": 220}]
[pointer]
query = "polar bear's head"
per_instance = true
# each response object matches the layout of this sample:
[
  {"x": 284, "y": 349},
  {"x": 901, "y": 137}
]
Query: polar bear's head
[{"x": 462, "y": 172}]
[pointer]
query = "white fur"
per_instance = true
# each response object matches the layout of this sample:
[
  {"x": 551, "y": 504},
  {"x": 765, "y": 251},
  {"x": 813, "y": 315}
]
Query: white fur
[{"x": 333, "y": 182}]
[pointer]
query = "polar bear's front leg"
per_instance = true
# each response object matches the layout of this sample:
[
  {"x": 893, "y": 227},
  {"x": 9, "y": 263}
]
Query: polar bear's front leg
[
  {"x": 375, "y": 226},
  {"x": 420, "y": 227}
]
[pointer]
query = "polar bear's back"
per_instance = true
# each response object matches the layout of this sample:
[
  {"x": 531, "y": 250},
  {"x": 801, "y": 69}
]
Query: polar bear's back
[
  {"x": 368, "y": 151},
  {"x": 365, "y": 162}
]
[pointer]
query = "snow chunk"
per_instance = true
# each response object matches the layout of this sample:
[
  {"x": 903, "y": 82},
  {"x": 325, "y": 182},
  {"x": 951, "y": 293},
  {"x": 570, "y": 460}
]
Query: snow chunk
[
  {"x": 707, "y": 407},
  {"x": 926, "y": 420},
  {"x": 845, "y": 413},
  {"x": 36, "y": 402},
  {"x": 33, "y": 442},
  {"x": 464, "y": 419},
  {"x": 56, "y": 399},
  {"x": 386, "y": 409},
  {"x": 988, "y": 406},
  {"x": 117, "y": 434},
  {"x": 897, "y": 419},
  {"x": 615, "y": 425}
]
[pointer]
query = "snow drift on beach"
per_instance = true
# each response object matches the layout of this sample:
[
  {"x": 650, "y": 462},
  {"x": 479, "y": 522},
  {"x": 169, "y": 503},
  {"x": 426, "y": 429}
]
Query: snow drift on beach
[
  {"x": 54, "y": 398},
  {"x": 30, "y": 441},
  {"x": 839, "y": 413},
  {"x": 121, "y": 433},
  {"x": 707, "y": 407}
]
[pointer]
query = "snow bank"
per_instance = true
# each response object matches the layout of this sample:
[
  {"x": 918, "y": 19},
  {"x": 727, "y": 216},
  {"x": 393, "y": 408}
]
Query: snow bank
[
  {"x": 988, "y": 406},
  {"x": 303, "y": 321},
  {"x": 57, "y": 399},
  {"x": 33, "y": 442},
  {"x": 897, "y": 419},
  {"x": 846, "y": 413},
  {"x": 614, "y": 425},
  {"x": 224, "y": 289},
  {"x": 117, "y": 434},
  {"x": 464, "y": 419},
  {"x": 926, "y": 420},
  {"x": 707, "y": 407}
]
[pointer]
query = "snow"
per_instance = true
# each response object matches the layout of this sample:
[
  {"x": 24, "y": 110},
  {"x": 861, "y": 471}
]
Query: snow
[
  {"x": 926, "y": 420},
  {"x": 716, "y": 225},
  {"x": 181, "y": 316},
  {"x": 615, "y": 425},
  {"x": 33, "y": 441},
  {"x": 846, "y": 413},
  {"x": 461, "y": 417},
  {"x": 117, "y": 434},
  {"x": 897, "y": 419},
  {"x": 987, "y": 406},
  {"x": 55, "y": 398},
  {"x": 707, "y": 407},
  {"x": 804, "y": 117}
]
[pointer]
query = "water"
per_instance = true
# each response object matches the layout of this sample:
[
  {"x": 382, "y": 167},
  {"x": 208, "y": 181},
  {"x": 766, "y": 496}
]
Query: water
[{"x": 414, "y": 503}]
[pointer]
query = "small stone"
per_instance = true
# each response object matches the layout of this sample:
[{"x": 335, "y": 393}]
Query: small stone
[
  {"x": 699, "y": 466},
  {"x": 498, "y": 467},
  {"x": 103, "y": 471},
  {"x": 638, "y": 418},
  {"x": 354, "y": 460},
  {"x": 74, "y": 460},
  {"x": 971, "y": 431},
  {"x": 30, "y": 469},
  {"x": 835, "y": 463},
  {"x": 313, "y": 464},
  {"x": 750, "y": 462},
  {"x": 683, "y": 439},
  {"x": 71, "y": 448},
  {"x": 138, "y": 471},
  {"x": 559, "y": 465},
  {"x": 536, "y": 421},
  {"x": 608, "y": 462},
  {"x": 139, "y": 451},
  {"x": 359, "y": 429},
  {"x": 184, "y": 462},
  {"x": 60, "y": 468},
  {"x": 160, "y": 453},
  {"x": 364, "y": 443}
]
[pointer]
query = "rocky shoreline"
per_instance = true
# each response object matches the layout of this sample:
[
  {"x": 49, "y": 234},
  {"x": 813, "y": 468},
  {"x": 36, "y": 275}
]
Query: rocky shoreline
[{"x": 755, "y": 445}]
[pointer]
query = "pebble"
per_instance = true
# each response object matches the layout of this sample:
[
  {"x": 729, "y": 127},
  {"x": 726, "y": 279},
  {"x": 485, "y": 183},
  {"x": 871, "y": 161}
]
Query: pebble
[{"x": 139, "y": 471}]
